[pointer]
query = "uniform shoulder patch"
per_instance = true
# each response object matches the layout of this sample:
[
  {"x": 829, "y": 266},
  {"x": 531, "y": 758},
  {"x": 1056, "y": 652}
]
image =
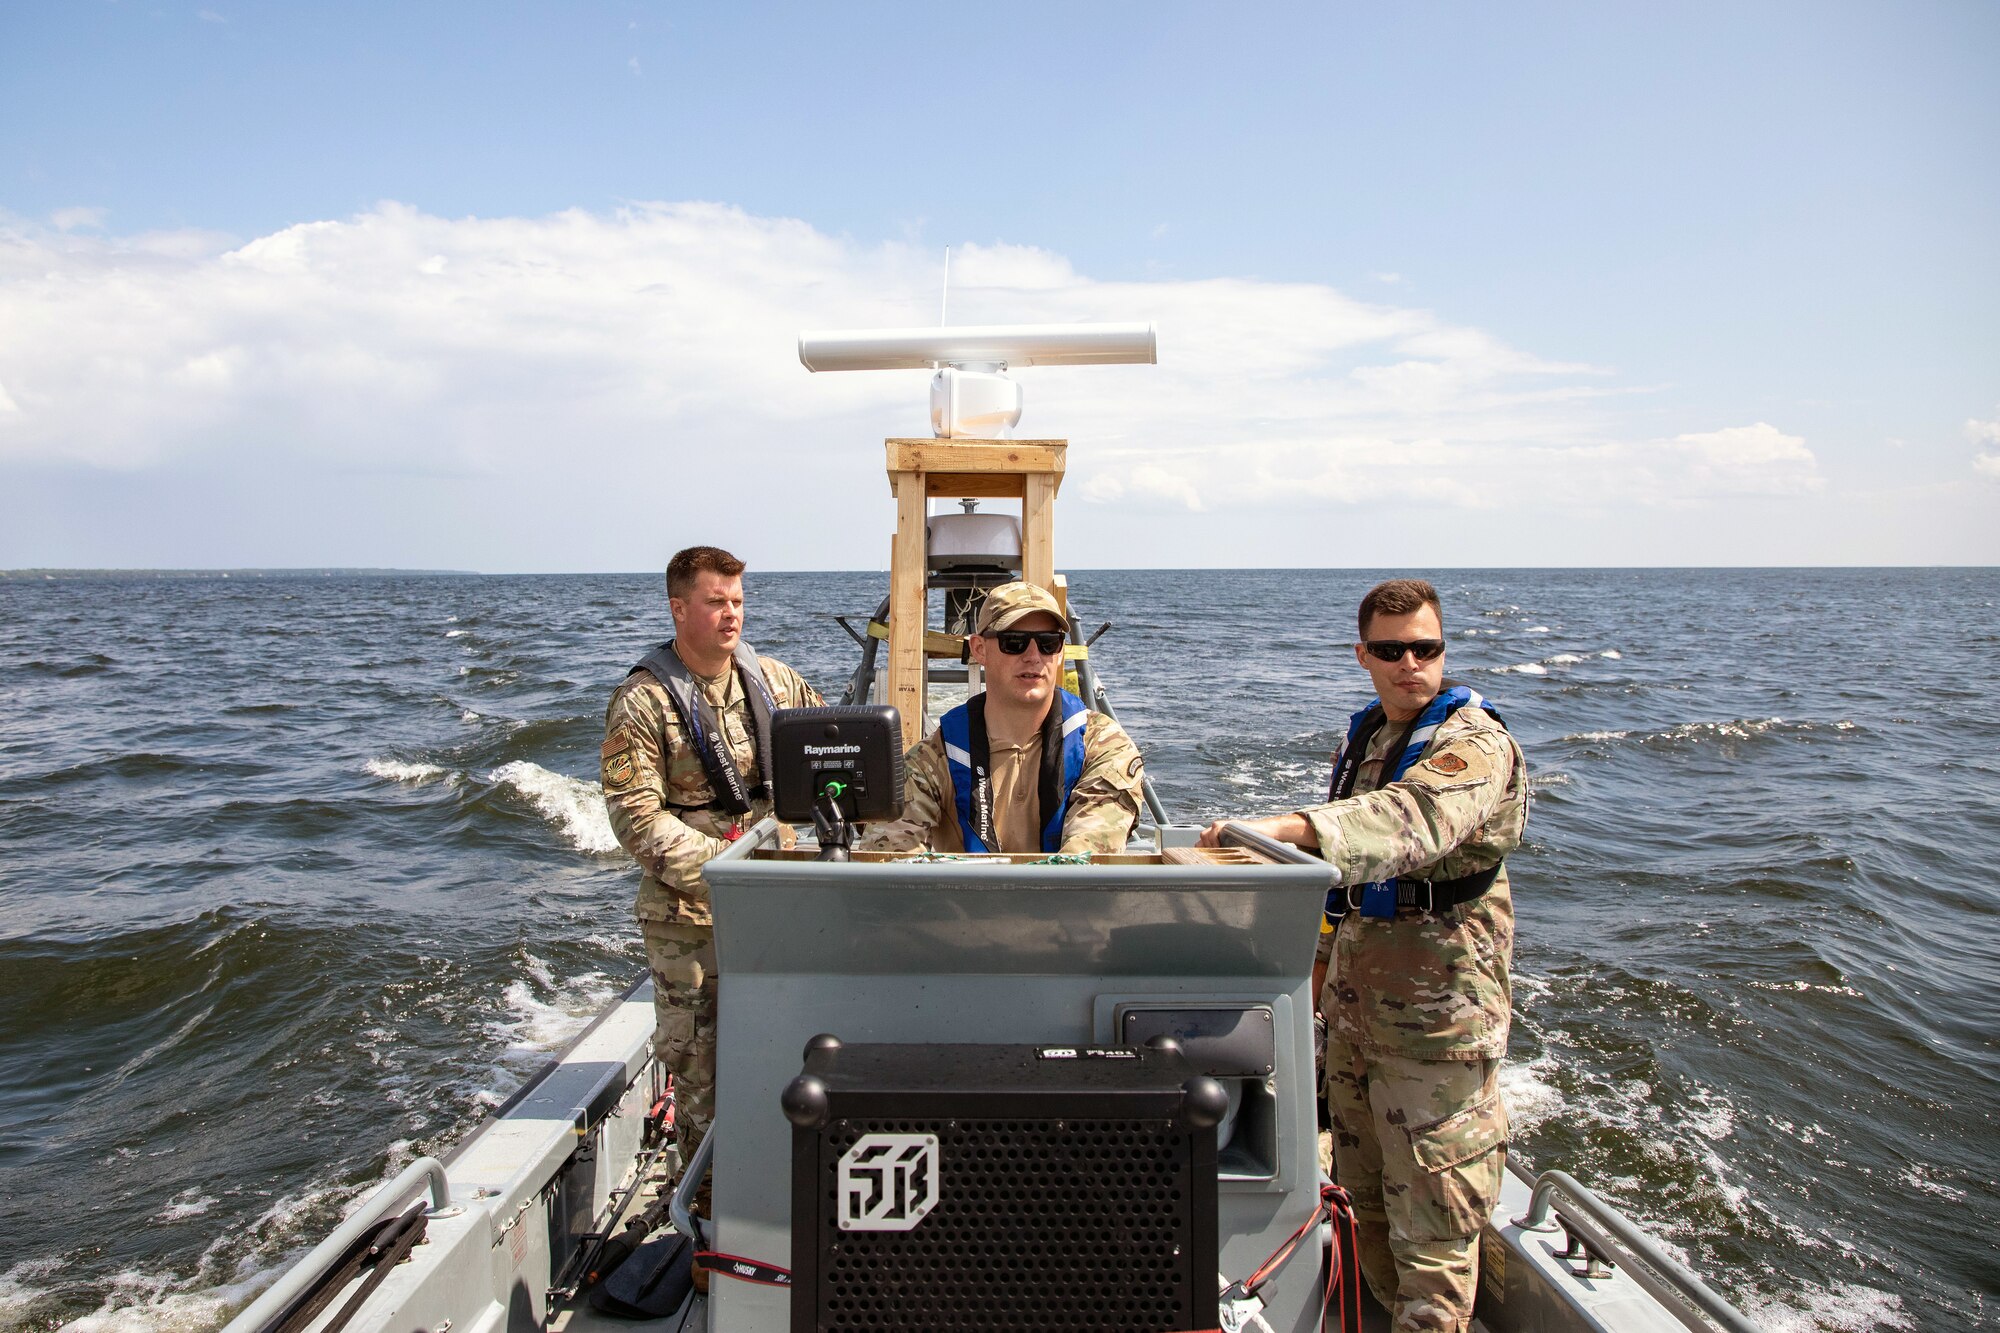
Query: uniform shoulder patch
[
  {"x": 1447, "y": 764},
  {"x": 616, "y": 762},
  {"x": 1132, "y": 769}
]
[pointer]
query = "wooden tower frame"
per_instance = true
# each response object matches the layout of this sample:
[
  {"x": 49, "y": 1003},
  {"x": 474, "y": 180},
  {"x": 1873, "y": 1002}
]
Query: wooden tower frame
[{"x": 920, "y": 470}]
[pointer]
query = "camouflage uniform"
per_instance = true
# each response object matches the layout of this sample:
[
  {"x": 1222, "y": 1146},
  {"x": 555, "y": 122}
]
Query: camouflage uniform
[
  {"x": 1103, "y": 806},
  {"x": 649, "y": 767},
  {"x": 1417, "y": 1011}
]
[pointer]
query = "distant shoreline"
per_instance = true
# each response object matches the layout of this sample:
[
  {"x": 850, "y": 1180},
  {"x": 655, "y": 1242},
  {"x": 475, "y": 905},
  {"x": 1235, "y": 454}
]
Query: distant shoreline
[
  {"x": 328, "y": 572},
  {"x": 58, "y": 575}
]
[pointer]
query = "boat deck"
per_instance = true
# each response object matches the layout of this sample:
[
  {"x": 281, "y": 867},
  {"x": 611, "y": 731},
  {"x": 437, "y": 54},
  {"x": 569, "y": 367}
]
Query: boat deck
[{"x": 692, "y": 1318}]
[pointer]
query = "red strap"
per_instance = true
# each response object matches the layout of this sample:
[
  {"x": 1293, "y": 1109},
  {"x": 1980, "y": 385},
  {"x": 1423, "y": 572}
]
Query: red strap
[
  {"x": 1343, "y": 1274},
  {"x": 1343, "y": 1269},
  {"x": 743, "y": 1270}
]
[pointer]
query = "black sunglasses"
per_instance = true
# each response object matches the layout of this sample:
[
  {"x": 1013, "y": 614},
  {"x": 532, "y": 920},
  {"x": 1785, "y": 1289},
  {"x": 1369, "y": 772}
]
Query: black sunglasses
[
  {"x": 1392, "y": 650},
  {"x": 1014, "y": 642}
]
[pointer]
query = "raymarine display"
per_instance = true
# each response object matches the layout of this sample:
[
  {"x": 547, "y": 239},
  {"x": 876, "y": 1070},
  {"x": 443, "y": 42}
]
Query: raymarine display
[{"x": 837, "y": 767}]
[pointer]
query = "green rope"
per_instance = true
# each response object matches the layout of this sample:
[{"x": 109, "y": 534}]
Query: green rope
[{"x": 1055, "y": 859}]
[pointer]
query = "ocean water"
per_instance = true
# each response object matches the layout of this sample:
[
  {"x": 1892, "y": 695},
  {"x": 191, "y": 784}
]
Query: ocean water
[{"x": 300, "y": 876}]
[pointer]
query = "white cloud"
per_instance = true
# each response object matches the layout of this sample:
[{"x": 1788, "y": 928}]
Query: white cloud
[
  {"x": 1143, "y": 483},
  {"x": 1740, "y": 460},
  {"x": 1983, "y": 432},
  {"x": 79, "y": 218},
  {"x": 524, "y": 349}
]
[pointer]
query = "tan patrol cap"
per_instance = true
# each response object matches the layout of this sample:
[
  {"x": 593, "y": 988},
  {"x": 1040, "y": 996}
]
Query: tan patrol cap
[{"x": 1009, "y": 603}]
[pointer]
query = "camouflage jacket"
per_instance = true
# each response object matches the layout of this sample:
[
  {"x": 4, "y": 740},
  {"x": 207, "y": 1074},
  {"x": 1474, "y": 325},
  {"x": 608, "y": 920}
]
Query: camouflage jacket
[
  {"x": 1103, "y": 806},
  {"x": 1429, "y": 987},
  {"x": 648, "y": 766}
]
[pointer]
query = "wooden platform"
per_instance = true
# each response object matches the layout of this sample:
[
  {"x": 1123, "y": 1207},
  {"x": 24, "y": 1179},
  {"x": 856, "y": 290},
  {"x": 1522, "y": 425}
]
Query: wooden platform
[{"x": 920, "y": 470}]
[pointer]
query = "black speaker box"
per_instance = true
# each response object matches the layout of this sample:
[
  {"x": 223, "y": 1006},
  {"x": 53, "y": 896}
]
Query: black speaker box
[{"x": 1002, "y": 1187}]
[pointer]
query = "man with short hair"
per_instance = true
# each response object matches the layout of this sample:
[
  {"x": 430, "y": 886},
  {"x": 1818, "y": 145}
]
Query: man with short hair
[
  {"x": 686, "y": 767},
  {"x": 1024, "y": 766},
  {"x": 1429, "y": 794}
]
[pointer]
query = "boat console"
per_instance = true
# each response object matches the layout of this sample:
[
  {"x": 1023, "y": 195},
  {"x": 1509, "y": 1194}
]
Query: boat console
[{"x": 1127, "y": 975}]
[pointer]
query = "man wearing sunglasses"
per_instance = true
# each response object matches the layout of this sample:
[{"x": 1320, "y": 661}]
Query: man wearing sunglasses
[
  {"x": 1024, "y": 766},
  {"x": 1429, "y": 794}
]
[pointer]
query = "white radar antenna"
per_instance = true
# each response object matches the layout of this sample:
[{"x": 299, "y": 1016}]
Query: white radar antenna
[{"x": 971, "y": 396}]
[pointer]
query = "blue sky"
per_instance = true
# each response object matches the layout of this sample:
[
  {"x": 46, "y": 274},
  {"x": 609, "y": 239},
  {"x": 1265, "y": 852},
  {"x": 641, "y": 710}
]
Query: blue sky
[{"x": 447, "y": 284}]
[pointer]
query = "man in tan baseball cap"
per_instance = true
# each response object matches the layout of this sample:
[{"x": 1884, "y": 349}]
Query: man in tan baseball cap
[{"x": 1024, "y": 766}]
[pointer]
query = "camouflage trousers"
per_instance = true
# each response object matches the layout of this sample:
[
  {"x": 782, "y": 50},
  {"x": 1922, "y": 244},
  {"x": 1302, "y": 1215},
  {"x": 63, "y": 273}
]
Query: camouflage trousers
[
  {"x": 682, "y": 960},
  {"x": 1421, "y": 1145}
]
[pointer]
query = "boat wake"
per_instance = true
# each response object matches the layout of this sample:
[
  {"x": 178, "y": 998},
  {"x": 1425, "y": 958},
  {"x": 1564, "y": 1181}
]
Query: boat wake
[{"x": 574, "y": 806}]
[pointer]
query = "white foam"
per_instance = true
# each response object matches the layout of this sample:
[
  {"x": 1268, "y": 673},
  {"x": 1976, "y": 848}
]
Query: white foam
[
  {"x": 1536, "y": 629},
  {"x": 1525, "y": 668},
  {"x": 141, "y": 1302},
  {"x": 456, "y": 633},
  {"x": 1612, "y": 653},
  {"x": 1735, "y": 1198},
  {"x": 1709, "y": 1114},
  {"x": 396, "y": 770},
  {"x": 467, "y": 715},
  {"x": 574, "y": 806},
  {"x": 223, "y": 1280},
  {"x": 1564, "y": 659},
  {"x": 1918, "y": 1178},
  {"x": 1740, "y": 730},
  {"x": 540, "y": 1015},
  {"x": 1531, "y": 1098},
  {"x": 184, "y": 1206},
  {"x": 18, "y": 1296},
  {"x": 1841, "y": 1307},
  {"x": 1798, "y": 985}
]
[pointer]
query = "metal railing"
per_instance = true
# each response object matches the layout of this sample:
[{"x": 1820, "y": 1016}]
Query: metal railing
[
  {"x": 680, "y": 1207},
  {"x": 301, "y": 1276},
  {"x": 1664, "y": 1277},
  {"x": 1242, "y": 835}
]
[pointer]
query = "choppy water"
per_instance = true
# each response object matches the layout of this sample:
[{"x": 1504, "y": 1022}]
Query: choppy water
[{"x": 300, "y": 876}]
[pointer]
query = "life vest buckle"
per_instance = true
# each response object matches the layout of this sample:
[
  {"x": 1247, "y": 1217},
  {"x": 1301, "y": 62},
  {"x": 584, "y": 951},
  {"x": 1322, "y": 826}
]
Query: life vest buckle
[
  {"x": 1378, "y": 900},
  {"x": 1384, "y": 899}
]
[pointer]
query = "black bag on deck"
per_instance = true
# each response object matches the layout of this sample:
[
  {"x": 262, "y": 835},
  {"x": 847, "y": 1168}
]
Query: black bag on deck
[{"x": 654, "y": 1282}]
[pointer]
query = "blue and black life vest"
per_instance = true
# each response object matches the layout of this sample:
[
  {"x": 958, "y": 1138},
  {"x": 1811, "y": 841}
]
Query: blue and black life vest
[
  {"x": 704, "y": 728},
  {"x": 965, "y": 750},
  {"x": 1404, "y": 891}
]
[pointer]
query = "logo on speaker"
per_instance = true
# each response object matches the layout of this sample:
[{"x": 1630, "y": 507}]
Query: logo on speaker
[{"x": 888, "y": 1182}]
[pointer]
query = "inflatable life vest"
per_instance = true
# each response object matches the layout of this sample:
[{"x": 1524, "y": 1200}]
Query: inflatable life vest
[
  {"x": 704, "y": 728},
  {"x": 1381, "y": 899},
  {"x": 964, "y": 732}
]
